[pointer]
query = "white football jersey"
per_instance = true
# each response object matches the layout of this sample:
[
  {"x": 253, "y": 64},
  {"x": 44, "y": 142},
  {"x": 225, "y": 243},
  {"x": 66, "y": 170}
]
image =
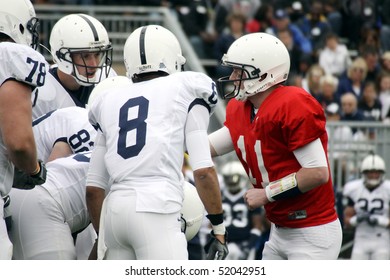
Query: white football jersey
[
  {"x": 143, "y": 125},
  {"x": 69, "y": 125},
  {"x": 375, "y": 201},
  {"x": 21, "y": 63},
  {"x": 50, "y": 97},
  {"x": 66, "y": 182},
  {"x": 54, "y": 96}
]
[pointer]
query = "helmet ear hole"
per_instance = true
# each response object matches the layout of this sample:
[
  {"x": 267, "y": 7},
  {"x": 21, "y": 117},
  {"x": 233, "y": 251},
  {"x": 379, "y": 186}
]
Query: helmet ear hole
[
  {"x": 21, "y": 28},
  {"x": 15, "y": 16}
]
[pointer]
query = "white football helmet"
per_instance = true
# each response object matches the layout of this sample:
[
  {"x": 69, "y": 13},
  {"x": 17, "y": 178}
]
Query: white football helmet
[
  {"x": 262, "y": 60},
  {"x": 192, "y": 211},
  {"x": 108, "y": 83},
  {"x": 373, "y": 163},
  {"x": 81, "y": 34},
  {"x": 234, "y": 176},
  {"x": 19, "y": 22},
  {"x": 152, "y": 48}
]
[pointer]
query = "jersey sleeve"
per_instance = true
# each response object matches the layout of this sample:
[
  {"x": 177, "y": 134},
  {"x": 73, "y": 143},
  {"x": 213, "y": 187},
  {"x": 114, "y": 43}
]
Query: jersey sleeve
[
  {"x": 303, "y": 120},
  {"x": 23, "y": 64},
  {"x": 203, "y": 89}
]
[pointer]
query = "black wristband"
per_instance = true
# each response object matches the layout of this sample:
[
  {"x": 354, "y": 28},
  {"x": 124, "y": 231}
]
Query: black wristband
[{"x": 215, "y": 219}]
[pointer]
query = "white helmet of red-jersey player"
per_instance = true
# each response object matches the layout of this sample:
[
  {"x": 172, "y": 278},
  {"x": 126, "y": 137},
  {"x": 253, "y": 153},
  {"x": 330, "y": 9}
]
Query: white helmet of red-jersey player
[
  {"x": 262, "y": 60},
  {"x": 152, "y": 48},
  {"x": 105, "y": 85},
  {"x": 373, "y": 163},
  {"x": 19, "y": 22},
  {"x": 192, "y": 211}
]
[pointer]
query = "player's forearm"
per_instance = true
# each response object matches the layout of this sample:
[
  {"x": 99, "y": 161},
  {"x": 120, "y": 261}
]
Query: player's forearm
[
  {"x": 94, "y": 199},
  {"x": 310, "y": 178},
  {"x": 24, "y": 157},
  {"x": 207, "y": 185}
]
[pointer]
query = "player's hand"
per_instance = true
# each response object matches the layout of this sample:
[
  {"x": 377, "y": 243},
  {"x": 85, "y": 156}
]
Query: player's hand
[
  {"x": 215, "y": 249},
  {"x": 361, "y": 217},
  {"x": 358, "y": 218},
  {"x": 255, "y": 198},
  {"x": 25, "y": 181},
  {"x": 379, "y": 220}
]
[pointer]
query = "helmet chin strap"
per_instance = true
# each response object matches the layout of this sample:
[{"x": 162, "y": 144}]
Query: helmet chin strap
[{"x": 82, "y": 80}]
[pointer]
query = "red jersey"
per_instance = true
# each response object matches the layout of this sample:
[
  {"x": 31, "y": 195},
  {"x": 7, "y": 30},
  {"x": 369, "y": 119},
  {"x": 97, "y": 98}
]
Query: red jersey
[{"x": 288, "y": 119}]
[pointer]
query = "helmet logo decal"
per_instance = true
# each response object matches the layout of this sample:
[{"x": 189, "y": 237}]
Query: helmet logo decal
[
  {"x": 142, "y": 45},
  {"x": 93, "y": 29}
]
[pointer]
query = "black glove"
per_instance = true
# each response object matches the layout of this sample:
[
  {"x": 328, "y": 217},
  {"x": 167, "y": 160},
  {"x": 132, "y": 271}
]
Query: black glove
[
  {"x": 25, "y": 181},
  {"x": 362, "y": 217},
  {"x": 378, "y": 220},
  {"x": 214, "y": 249}
]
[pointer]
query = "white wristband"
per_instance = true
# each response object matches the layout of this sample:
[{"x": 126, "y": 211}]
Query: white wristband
[
  {"x": 353, "y": 221},
  {"x": 219, "y": 229},
  {"x": 285, "y": 187},
  {"x": 383, "y": 221},
  {"x": 255, "y": 231}
]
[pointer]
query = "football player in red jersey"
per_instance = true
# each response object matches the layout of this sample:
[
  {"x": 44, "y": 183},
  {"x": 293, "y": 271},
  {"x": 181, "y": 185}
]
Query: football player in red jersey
[{"x": 278, "y": 133}]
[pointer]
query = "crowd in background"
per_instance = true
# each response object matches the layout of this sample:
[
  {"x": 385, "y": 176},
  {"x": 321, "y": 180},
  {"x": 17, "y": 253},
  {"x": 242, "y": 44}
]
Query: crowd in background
[{"x": 336, "y": 46}]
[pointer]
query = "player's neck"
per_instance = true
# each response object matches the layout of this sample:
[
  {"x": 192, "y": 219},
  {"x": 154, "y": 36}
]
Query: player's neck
[
  {"x": 259, "y": 98},
  {"x": 67, "y": 81}
]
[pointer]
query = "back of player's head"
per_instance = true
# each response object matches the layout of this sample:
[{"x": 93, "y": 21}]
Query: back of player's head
[
  {"x": 18, "y": 21},
  {"x": 106, "y": 84},
  {"x": 81, "y": 34},
  {"x": 152, "y": 49},
  {"x": 234, "y": 176},
  {"x": 373, "y": 169}
]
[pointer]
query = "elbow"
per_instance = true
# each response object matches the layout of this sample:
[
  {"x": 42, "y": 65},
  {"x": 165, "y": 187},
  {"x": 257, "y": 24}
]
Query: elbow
[
  {"x": 203, "y": 173},
  {"x": 321, "y": 175}
]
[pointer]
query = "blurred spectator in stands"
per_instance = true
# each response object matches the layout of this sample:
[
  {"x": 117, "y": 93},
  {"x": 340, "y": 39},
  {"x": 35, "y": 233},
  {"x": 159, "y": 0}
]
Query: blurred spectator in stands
[
  {"x": 294, "y": 50},
  {"x": 282, "y": 22},
  {"x": 305, "y": 61},
  {"x": 353, "y": 80},
  {"x": 349, "y": 108},
  {"x": 315, "y": 26},
  {"x": 311, "y": 82},
  {"x": 333, "y": 15},
  {"x": 351, "y": 112},
  {"x": 263, "y": 19},
  {"x": 225, "y": 7},
  {"x": 340, "y": 134},
  {"x": 369, "y": 104},
  {"x": 385, "y": 62},
  {"x": 297, "y": 11},
  {"x": 334, "y": 58},
  {"x": 385, "y": 24},
  {"x": 371, "y": 56},
  {"x": 356, "y": 16},
  {"x": 370, "y": 37},
  {"x": 384, "y": 93},
  {"x": 328, "y": 87},
  {"x": 236, "y": 22},
  {"x": 196, "y": 21}
]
